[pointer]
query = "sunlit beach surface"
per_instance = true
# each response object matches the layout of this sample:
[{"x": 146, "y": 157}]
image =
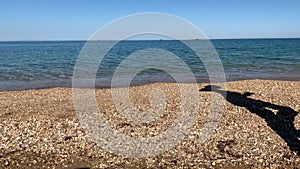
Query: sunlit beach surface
[{"x": 259, "y": 128}]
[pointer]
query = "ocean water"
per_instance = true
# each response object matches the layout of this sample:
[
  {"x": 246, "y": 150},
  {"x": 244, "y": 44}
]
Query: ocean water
[{"x": 45, "y": 64}]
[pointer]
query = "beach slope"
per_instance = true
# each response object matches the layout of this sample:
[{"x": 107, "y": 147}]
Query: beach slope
[{"x": 259, "y": 128}]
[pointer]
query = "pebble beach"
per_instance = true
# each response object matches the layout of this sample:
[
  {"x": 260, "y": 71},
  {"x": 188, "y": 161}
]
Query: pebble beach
[{"x": 40, "y": 129}]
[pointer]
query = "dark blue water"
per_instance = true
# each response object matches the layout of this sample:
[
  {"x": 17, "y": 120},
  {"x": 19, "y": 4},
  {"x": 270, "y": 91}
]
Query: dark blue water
[{"x": 34, "y": 64}]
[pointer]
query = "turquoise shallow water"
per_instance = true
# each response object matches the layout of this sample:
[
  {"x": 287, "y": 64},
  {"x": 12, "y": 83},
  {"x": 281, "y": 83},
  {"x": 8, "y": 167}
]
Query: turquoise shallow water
[{"x": 35, "y": 64}]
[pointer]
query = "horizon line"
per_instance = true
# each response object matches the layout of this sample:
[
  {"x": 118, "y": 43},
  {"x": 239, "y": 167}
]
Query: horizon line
[{"x": 149, "y": 39}]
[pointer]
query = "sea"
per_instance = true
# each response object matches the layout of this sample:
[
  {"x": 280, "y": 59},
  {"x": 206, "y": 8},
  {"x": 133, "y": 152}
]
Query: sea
[{"x": 48, "y": 64}]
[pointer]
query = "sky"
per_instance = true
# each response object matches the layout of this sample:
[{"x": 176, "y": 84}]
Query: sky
[{"x": 79, "y": 19}]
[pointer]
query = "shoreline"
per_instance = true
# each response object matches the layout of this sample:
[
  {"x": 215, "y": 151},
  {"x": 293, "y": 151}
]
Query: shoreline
[
  {"x": 40, "y": 128},
  {"x": 67, "y": 83}
]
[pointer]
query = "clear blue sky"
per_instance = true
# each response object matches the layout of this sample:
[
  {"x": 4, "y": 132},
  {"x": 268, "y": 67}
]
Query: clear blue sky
[{"x": 77, "y": 20}]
